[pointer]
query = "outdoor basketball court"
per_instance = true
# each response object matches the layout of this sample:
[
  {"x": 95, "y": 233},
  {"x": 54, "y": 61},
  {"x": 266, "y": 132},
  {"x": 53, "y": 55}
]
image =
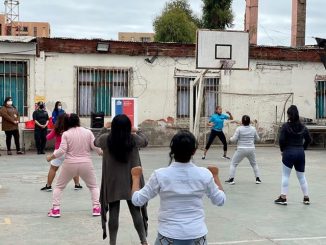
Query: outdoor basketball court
[{"x": 248, "y": 217}]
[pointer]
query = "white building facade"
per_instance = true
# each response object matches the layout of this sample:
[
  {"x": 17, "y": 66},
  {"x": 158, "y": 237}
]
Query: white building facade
[{"x": 160, "y": 76}]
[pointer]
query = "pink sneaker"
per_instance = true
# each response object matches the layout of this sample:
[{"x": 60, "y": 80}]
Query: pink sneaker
[
  {"x": 55, "y": 213},
  {"x": 96, "y": 211}
]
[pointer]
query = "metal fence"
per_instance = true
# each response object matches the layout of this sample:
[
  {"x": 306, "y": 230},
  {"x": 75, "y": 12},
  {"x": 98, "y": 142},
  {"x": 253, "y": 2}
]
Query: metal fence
[
  {"x": 97, "y": 85},
  {"x": 211, "y": 87},
  {"x": 13, "y": 83}
]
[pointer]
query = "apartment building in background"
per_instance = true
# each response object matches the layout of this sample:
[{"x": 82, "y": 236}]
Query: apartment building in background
[
  {"x": 21, "y": 28},
  {"x": 136, "y": 36}
]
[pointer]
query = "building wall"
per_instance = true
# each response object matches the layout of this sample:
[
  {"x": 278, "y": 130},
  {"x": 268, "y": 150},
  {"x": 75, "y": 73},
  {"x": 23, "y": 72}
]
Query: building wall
[
  {"x": 34, "y": 29},
  {"x": 136, "y": 36},
  {"x": 262, "y": 92}
]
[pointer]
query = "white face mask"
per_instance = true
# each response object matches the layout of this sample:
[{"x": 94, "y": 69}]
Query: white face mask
[
  {"x": 59, "y": 107},
  {"x": 9, "y": 102}
]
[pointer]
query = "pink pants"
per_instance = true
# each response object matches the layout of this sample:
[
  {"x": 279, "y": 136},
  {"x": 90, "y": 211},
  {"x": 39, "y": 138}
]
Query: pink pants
[{"x": 86, "y": 172}]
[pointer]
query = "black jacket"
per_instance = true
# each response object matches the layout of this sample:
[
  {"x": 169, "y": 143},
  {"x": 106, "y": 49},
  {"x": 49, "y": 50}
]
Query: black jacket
[{"x": 294, "y": 135}]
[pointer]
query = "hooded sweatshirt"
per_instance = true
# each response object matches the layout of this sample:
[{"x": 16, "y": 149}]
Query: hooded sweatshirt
[{"x": 294, "y": 135}]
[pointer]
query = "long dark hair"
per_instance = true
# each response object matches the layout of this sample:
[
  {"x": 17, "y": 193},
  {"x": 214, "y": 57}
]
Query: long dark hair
[
  {"x": 56, "y": 105},
  {"x": 71, "y": 121},
  {"x": 120, "y": 141},
  {"x": 59, "y": 124},
  {"x": 183, "y": 145},
  {"x": 293, "y": 114},
  {"x": 293, "y": 119}
]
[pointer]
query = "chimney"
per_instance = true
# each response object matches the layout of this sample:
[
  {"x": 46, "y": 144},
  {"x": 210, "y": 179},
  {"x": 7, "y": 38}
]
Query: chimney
[
  {"x": 251, "y": 20},
  {"x": 298, "y": 28}
]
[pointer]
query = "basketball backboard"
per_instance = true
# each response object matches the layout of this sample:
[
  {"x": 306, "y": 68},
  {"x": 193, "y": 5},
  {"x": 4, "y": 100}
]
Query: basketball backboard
[{"x": 223, "y": 50}]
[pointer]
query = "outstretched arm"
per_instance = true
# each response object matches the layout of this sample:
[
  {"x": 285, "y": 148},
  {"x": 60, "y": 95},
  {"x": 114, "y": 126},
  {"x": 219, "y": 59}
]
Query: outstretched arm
[{"x": 231, "y": 117}]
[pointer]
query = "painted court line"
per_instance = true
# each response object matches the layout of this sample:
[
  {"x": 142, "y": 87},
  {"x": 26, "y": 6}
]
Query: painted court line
[{"x": 265, "y": 240}]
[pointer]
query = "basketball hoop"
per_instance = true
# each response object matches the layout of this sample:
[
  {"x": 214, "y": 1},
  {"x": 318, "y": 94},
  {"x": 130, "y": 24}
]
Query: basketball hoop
[{"x": 227, "y": 65}]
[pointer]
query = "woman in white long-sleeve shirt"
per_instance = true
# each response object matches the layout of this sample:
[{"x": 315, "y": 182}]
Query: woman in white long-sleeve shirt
[
  {"x": 181, "y": 187},
  {"x": 245, "y": 136}
]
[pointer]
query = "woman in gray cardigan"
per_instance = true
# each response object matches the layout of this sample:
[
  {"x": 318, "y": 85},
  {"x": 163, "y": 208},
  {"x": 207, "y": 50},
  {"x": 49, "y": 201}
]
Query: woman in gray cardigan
[{"x": 120, "y": 154}]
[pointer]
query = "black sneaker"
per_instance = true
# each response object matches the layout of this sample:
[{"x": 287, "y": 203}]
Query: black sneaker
[
  {"x": 230, "y": 181},
  {"x": 46, "y": 188},
  {"x": 280, "y": 200},
  {"x": 258, "y": 181},
  {"x": 306, "y": 201},
  {"x": 203, "y": 157},
  {"x": 78, "y": 187}
]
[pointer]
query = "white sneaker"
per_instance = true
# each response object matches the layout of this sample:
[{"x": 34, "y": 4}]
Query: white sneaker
[{"x": 225, "y": 157}]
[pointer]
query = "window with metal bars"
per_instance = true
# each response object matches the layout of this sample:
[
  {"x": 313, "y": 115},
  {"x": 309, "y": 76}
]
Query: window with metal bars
[
  {"x": 320, "y": 99},
  {"x": 13, "y": 83},
  {"x": 96, "y": 87},
  {"x": 183, "y": 96}
]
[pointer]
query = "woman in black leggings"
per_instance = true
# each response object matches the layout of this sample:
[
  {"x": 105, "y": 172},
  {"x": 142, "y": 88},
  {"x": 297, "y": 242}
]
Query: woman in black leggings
[
  {"x": 217, "y": 123},
  {"x": 120, "y": 147}
]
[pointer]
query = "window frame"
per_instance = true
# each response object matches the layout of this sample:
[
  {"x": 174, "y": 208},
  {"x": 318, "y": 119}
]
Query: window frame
[
  {"x": 97, "y": 78},
  {"x": 207, "y": 88},
  {"x": 24, "y": 75}
]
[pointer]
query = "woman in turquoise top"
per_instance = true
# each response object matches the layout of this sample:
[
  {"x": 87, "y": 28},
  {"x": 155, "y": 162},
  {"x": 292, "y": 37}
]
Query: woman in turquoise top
[{"x": 217, "y": 122}]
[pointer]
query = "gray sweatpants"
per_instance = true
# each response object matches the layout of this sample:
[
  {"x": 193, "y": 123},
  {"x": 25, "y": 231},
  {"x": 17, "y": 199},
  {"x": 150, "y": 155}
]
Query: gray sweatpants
[{"x": 239, "y": 155}]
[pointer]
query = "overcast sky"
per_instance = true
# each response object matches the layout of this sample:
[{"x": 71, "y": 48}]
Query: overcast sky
[{"x": 105, "y": 18}]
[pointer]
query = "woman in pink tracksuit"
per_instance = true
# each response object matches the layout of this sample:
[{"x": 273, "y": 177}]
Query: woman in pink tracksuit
[
  {"x": 77, "y": 144},
  {"x": 56, "y": 134}
]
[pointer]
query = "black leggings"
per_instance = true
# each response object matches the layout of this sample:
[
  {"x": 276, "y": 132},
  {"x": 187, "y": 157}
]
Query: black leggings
[
  {"x": 9, "y": 135},
  {"x": 220, "y": 135},
  {"x": 114, "y": 210}
]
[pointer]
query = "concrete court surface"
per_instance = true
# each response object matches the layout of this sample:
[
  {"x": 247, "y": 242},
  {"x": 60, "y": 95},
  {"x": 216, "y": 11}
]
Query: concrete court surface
[{"x": 248, "y": 217}]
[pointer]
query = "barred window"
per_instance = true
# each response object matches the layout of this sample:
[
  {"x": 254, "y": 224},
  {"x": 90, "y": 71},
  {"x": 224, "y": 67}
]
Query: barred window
[
  {"x": 13, "y": 83},
  {"x": 320, "y": 99},
  {"x": 96, "y": 87},
  {"x": 183, "y": 96}
]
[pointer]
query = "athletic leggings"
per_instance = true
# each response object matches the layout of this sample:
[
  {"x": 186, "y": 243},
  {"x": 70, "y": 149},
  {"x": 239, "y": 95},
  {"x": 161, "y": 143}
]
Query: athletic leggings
[
  {"x": 220, "y": 135},
  {"x": 294, "y": 157},
  {"x": 239, "y": 155},
  {"x": 114, "y": 210},
  {"x": 9, "y": 135}
]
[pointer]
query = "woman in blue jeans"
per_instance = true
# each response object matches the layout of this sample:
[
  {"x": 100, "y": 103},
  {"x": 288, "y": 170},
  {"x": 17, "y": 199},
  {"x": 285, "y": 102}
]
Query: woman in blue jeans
[
  {"x": 181, "y": 187},
  {"x": 294, "y": 139}
]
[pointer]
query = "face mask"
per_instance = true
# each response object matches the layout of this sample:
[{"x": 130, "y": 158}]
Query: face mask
[
  {"x": 9, "y": 102},
  {"x": 59, "y": 107},
  {"x": 41, "y": 106}
]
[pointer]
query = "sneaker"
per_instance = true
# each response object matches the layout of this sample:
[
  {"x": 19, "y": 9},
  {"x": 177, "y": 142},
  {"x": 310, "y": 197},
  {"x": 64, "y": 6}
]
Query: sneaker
[
  {"x": 230, "y": 181},
  {"x": 226, "y": 157},
  {"x": 9, "y": 153},
  {"x": 306, "y": 201},
  {"x": 46, "y": 188},
  {"x": 78, "y": 187},
  {"x": 203, "y": 157},
  {"x": 280, "y": 200},
  {"x": 20, "y": 153},
  {"x": 96, "y": 211},
  {"x": 258, "y": 181},
  {"x": 55, "y": 213}
]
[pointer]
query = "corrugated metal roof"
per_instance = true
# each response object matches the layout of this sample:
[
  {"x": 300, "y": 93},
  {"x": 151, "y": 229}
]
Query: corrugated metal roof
[{"x": 17, "y": 39}]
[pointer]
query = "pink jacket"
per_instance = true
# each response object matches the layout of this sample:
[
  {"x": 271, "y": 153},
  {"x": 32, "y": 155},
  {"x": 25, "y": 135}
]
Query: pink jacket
[
  {"x": 77, "y": 144},
  {"x": 52, "y": 135}
]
